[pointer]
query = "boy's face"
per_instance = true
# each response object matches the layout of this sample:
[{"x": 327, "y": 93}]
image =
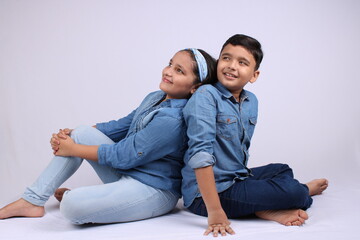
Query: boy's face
[{"x": 236, "y": 67}]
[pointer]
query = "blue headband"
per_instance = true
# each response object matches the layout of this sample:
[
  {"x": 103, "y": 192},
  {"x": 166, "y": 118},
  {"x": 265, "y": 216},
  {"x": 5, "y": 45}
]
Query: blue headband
[{"x": 201, "y": 63}]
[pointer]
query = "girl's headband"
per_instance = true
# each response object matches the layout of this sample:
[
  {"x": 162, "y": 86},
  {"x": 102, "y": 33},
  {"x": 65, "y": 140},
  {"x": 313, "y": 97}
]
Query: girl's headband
[{"x": 201, "y": 63}]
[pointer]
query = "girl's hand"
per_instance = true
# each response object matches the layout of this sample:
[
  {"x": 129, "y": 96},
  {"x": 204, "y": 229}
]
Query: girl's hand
[
  {"x": 62, "y": 134},
  {"x": 218, "y": 223},
  {"x": 66, "y": 147}
]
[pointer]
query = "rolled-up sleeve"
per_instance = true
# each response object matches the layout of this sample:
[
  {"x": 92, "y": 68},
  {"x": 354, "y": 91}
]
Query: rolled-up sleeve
[
  {"x": 201, "y": 159},
  {"x": 159, "y": 138},
  {"x": 200, "y": 118}
]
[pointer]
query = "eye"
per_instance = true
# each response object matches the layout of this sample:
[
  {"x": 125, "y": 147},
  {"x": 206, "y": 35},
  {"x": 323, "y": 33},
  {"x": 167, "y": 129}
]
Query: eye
[
  {"x": 226, "y": 58},
  {"x": 170, "y": 64},
  {"x": 243, "y": 63},
  {"x": 179, "y": 70}
]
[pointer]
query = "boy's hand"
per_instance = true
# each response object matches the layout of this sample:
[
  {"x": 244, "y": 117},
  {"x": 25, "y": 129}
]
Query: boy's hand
[{"x": 218, "y": 223}]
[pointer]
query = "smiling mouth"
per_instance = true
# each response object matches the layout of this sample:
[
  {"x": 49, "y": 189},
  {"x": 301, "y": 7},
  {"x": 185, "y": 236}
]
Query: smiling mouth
[
  {"x": 230, "y": 75},
  {"x": 166, "y": 80}
]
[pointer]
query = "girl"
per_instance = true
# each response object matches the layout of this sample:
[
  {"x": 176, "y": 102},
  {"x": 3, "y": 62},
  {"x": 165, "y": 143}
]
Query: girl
[
  {"x": 221, "y": 119},
  {"x": 138, "y": 157}
]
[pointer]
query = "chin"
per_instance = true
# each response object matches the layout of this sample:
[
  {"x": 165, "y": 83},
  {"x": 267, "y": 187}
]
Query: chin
[{"x": 162, "y": 87}]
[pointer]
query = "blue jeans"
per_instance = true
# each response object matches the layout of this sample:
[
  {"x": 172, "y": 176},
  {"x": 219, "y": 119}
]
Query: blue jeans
[
  {"x": 120, "y": 199},
  {"x": 272, "y": 187}
]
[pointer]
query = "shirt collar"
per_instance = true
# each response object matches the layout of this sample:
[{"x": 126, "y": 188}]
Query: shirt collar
[
  {"x": 227, "y": 94},
  {"x": 173, "y": 103}
]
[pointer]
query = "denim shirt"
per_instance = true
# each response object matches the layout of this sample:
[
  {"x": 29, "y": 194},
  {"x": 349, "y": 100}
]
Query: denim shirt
[
  {"x": 149, "y": 143},
  {"x": 219, "y": 131}
]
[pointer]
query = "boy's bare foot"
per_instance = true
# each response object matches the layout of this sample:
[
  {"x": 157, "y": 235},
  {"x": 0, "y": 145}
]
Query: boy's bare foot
[
  {"x": 59, "y": 193},
  {"x": 21, "y": 208},
  {"x": 317, "y": 186},
  {"x": 292, "y": 217}
]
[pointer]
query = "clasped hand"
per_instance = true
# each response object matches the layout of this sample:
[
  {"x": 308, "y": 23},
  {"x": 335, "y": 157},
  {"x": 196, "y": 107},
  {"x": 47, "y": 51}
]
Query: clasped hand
[{"x": 61, "y": 142}]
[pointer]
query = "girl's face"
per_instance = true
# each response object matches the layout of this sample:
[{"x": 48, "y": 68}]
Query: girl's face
[{"x": 178, "y": 77}]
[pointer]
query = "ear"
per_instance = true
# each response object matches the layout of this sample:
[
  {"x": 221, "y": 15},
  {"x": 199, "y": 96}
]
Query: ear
[
  {"x": 255, "y": 76},
  {"x": 194, "y": 88}
]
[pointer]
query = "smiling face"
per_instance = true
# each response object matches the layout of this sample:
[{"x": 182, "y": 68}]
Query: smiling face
[
  {"x": 178, "y": 78},
  {"x": 236, "y": 67}
]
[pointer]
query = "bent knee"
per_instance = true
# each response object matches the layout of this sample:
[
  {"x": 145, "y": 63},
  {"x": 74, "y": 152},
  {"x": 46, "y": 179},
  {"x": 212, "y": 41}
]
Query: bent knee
[
  {"x": 80, "y": 133},
  {"x": 300, "y": 197},
  {"x": 80, "y": 130}
]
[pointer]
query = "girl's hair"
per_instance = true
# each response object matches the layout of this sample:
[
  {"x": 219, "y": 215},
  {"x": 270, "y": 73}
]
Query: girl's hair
[{"x": 211, "y": 67}]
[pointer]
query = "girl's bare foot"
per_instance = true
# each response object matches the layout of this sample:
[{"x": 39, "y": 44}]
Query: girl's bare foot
[
  {"x": 59, "y": 193},
  {"x": 21, "y": 208},
  {"x": 292, "y": 217},
  {"x": 317, "y": 186}
]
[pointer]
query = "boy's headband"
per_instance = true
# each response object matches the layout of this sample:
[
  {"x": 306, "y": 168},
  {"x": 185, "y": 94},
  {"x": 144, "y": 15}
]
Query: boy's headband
[{"x": 201, "y": 63}]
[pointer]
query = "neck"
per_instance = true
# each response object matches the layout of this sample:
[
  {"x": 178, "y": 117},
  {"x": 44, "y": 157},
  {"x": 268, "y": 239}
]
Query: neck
[{"x": 237, "y": 95}]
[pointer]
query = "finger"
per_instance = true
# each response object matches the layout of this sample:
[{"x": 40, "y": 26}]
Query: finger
[
  {"x": 216, "y": 231},
  {"x": 67, "y": 131},
  {"x": 229, "y": 230},
  {"x": 54, "y": 139},
  {"x": 54, "y": 142},
  {"x": 62, "y": 135},
  {"x": 209, "y": 230},
  {"x": 223, "y": 231}
]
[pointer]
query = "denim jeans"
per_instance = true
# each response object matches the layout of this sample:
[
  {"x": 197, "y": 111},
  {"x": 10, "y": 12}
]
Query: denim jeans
[
  {"x": 120, "y": 199},
  {"x": 272, "y": 187}
]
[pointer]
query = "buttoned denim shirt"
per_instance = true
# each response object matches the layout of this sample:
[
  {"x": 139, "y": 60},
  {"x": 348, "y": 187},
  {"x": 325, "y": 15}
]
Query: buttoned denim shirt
[
  {"x": 219, "y": 130},
  {"x": 149, "y": 143}
]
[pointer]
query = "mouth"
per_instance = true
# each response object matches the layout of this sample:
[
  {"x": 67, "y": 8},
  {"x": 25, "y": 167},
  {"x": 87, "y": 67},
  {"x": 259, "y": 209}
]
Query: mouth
[
  {"x": 166, "y": 80},
  {"x": 230, "y": 76}
]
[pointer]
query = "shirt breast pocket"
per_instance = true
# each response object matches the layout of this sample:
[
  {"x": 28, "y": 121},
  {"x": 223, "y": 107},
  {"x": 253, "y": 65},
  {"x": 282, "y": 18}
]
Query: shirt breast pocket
[
  {"x": 226, "y": 126},
  {"x": 251, "y": 126}
]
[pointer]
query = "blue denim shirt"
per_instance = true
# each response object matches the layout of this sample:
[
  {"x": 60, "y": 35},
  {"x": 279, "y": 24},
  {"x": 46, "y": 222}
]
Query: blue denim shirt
[
  {"x": 219, "y": 131},
  {"x": 150, "y": 143}
]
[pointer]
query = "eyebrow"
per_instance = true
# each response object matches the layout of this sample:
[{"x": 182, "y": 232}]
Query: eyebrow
[
  {"x": 240, "y": 58},
  {"x": 179, "y": 66}
]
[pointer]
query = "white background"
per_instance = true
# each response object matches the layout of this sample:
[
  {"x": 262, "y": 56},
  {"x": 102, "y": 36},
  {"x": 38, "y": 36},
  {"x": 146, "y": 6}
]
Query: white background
[{"x": 66, "y": 63}]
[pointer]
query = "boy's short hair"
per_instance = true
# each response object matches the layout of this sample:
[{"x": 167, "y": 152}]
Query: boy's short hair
[{"x": 249, "y": 43}]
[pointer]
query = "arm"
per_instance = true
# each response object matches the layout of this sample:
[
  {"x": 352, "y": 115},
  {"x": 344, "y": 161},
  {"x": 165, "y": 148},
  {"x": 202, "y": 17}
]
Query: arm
[
  {"x": 201, "y": 112},
  {"x": 217, "y": 219},
  {"x": 116, "y": 130},
  {"x": 162, "y": 136},
  {"x": 67, "y": 147},
  {"x": 62, "y": 134}
]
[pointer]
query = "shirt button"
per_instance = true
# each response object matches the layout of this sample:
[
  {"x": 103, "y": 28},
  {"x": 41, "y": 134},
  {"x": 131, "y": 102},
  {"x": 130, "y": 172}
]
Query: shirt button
[{"x": 140, "y": 153}]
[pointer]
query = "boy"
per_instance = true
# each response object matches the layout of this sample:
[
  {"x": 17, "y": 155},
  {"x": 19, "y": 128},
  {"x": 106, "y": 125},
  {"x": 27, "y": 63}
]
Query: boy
[{"x": 221, "y": 118}]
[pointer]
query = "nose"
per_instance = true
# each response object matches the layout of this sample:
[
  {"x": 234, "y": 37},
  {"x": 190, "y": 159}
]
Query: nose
[
  {"x": 231, "y": 65},
  {"x": 167, "y": 71}
]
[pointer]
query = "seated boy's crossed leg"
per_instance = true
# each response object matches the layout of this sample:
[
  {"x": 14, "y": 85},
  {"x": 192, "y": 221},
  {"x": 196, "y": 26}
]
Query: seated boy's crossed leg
[{"x": 271, "y": 193}]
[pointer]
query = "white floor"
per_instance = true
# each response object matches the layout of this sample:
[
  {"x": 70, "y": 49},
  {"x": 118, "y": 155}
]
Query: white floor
[{"x": 334, "y": 215}]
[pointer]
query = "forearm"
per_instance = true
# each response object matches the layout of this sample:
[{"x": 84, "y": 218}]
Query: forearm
[
  {"x": 206, "y": 181},
  {"x": 85, "y": 151}
]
